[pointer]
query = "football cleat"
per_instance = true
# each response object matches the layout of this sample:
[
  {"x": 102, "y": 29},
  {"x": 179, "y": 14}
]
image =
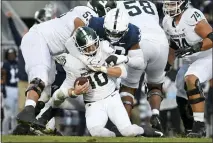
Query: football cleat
[
  {"x": 198, "y": 130},
  {"x": 151, "y": 132},
  {"x": 27, "y": 116},
  {"x": 156, "y": 122}
]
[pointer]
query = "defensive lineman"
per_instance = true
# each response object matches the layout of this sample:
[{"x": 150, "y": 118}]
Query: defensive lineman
[{"x": 191, "y": 39}]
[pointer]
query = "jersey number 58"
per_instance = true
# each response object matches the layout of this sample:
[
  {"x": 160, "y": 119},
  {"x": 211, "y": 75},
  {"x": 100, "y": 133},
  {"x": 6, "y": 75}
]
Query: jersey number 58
[{"x": 135, "y": 10}]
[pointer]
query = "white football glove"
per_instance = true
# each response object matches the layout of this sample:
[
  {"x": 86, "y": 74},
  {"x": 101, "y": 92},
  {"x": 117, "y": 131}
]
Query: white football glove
[
  {"x": 88, "y": 60},
  {"x": 97, "y": 68},
  {"x": 115, "y": 59}
]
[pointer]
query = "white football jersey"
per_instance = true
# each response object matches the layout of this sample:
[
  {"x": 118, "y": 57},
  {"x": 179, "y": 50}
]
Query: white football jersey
[
  {"x": 143, "y": 14},
  {"x": 101, "y": 84},
  {"x": 57, "y": 31},
  {"x": 183, "y": 34}
]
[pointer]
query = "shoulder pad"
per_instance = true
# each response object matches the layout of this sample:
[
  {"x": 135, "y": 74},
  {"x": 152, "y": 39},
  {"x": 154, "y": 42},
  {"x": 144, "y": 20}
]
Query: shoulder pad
[
  {"x": 192, "y": 16},
  {"x": 135, "y": 34}
]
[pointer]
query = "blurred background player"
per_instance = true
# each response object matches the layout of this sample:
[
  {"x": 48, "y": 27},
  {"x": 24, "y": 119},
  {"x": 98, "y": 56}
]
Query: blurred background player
[{"x": 10, "y": 68}]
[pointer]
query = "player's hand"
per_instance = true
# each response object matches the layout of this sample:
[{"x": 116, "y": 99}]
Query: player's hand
[
  {"x": 180, "y": 53},
  {"x": 97, "y": 68},
  {"x": 8, "y": 14},
  {"x": 115, "y": 59},
  {"x": 81, "y": 89},
  {"x": 88, "y": 60}
]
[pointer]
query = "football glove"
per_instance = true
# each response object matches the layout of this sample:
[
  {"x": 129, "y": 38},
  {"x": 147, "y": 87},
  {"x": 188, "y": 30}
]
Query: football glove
[
  {"x": 180, "y": 53},
  {"x": 97, "y": 68},
  {"x": 89, "y": 60},
  {"x": 115, "y": 59}
]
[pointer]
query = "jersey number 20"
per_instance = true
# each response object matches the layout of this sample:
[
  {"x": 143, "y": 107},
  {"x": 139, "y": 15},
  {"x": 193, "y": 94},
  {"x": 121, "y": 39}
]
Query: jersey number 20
[
  {"x": 135, "y": 10},
  {"x": 99, "y": 79}
]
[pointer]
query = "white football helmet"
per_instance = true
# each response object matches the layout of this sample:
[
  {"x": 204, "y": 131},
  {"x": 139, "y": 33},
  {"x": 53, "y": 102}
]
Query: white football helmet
[
  {"x": 101, "y": 7},
  {"x": 174, "y": 7},
  {"x": 116, "y": 24}
]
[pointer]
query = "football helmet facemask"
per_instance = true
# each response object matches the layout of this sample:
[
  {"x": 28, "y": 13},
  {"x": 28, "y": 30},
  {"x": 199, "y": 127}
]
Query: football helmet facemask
[
  {"x": 44, "y": 14},
  {"x": 174, "y": 7},
  {"x": 116, "y": 24},
  {"x": 101, "y": 7}
]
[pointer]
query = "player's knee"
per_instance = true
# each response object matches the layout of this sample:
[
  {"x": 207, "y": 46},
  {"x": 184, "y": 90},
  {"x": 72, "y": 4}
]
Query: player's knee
[
  {"x": 190, "y": 79},
  {"x": 193, "y": 99},
  {"x": 101, "y": 132},
  {"x": 155, "y": 89},
  {"x": 36, "y": 85},
  {"x": 131, "y": 131}
]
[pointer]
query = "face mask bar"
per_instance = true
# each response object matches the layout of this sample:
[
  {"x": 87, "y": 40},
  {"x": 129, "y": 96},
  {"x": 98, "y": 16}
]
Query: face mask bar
[
  {"x": 115, "y": 36},
  {"x": 82, "y": 49},
  {"x": 172, "y": 8}
]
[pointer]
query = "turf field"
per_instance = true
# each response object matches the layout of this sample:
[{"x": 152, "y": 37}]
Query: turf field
[{"x": 93, "y": 139}]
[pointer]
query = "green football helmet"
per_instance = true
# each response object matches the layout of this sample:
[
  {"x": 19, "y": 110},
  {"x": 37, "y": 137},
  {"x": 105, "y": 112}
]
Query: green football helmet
[{"x": 86, "y": 40}]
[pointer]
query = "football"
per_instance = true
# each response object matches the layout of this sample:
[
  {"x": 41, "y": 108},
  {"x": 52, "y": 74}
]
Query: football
[{"x": 82, "y": 80}]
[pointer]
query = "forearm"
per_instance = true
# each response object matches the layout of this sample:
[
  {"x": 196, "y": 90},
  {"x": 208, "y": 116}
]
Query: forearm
[
  {"x": 171, "y": 57},
  {"x": 207, "y": 44},
  {"x": 16, "y": 36},
  {"x": 114, "y": 71},
  {"x": 117, "y": 71}
]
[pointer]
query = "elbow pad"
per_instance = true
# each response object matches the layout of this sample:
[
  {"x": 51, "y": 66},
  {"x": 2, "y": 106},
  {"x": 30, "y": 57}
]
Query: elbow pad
[
  {"x": 136, "y": 59},
  {"x": 210, "y": 36}
]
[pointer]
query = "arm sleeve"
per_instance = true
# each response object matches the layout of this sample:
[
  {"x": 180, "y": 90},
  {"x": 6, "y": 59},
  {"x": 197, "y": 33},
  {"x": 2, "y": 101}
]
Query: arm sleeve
[
  {"x": 16, "y": 36},
  {"x": 194, "y": 16}
]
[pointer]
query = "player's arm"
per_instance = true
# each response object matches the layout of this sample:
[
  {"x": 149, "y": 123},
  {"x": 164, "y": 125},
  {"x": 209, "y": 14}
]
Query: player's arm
[
  {"x": 171, "y": 56},
  {"x": 78, "y": 22},
  {"x": 83, "y": 18},
  {"x": 3, "y": 76},
  {"x": 116, "y": 71},
  {"x": 204, "y": 30}
]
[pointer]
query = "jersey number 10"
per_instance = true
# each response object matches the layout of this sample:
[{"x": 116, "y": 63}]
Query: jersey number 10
[
  {"x": 99, "y": 79},
  {"x": 135, "y": 10}
]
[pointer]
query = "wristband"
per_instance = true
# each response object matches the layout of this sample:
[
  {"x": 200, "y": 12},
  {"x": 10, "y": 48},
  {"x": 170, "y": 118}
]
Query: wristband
[{"x": 73, "y": 95}]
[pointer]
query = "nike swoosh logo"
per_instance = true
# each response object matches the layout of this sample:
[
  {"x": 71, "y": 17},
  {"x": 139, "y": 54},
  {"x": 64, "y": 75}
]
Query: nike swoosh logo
[{"x": 160, "y": 133}]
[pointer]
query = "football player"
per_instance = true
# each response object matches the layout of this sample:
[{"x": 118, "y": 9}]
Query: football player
[
  {"x": 38, "y": 46},
  {"x": 125, "y": 37},
  {"x": 191, "y": 39},
  {"x": 154, "y": 45},
  {"x": 101, "y": 98}
]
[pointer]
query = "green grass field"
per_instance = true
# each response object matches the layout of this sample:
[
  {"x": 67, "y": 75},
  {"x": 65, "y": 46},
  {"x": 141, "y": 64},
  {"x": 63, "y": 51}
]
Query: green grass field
[{"x": 95, "y": 139}]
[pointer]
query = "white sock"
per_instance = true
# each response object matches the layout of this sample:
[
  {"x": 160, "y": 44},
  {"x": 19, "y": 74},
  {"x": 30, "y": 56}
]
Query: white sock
[
  {"x": 30, "y": 102},
  {"x": 155, "y": 112},
  {"x": 198, "y": 116}
]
